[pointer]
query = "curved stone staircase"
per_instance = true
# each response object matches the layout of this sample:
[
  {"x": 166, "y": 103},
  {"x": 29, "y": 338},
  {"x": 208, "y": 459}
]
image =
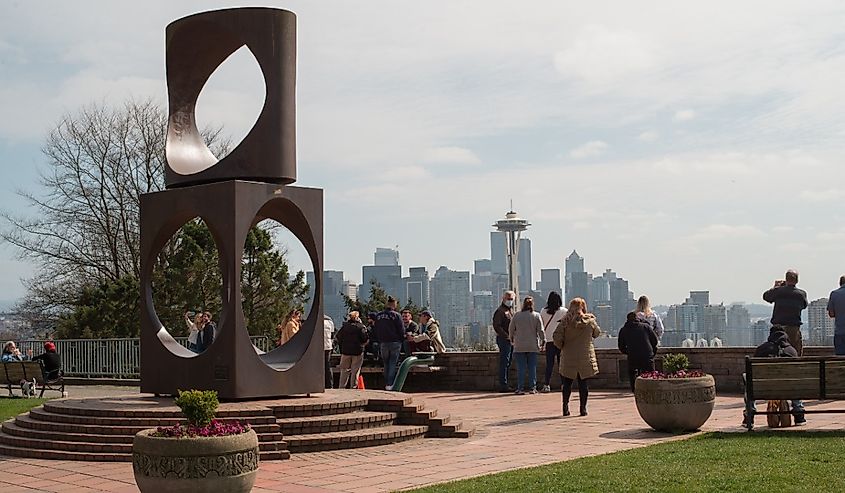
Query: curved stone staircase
[{"x": 103, "y": 429}]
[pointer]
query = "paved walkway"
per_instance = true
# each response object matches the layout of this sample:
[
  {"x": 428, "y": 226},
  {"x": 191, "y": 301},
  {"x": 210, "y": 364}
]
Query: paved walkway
[{"x": 512, "y": 432}]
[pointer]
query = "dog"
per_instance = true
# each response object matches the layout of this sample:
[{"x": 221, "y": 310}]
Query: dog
[{"x": 28, "y": 388}]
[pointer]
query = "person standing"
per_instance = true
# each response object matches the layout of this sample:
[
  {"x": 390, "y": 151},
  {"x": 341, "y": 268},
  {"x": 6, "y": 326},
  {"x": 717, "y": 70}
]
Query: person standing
[
  {"x": 352, "y": 337},
  {"x": 574, "y": 337},
  {"x": 836, "y": 310},
  {"x": 193, "y": 330},
  {"x": 289, "y": 327},
  {"x": 551, "y": 316},
  {"x": 328, "y": 332},
  {"x": 644, "y": 307},
  {"x": 789, "y": 302},
  {"x": 526, "y": 335},
  {"x": 638, "y": 341},
  {"x": 501, "y": 322},
  {"x": 390, "y": 333},
  {"x": 208, "y": 332}
]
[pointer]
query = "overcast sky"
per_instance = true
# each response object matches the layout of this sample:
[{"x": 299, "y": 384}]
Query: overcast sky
[{"x": 686, "y": 146}]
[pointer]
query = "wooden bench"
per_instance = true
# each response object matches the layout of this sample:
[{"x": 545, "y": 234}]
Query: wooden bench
[
  {"x": 791, "y": 379},
  {"x": 15, "y": 371}
]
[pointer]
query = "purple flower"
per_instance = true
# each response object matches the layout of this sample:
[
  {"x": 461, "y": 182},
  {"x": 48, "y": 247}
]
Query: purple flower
[{"x": 214, "y": 429}]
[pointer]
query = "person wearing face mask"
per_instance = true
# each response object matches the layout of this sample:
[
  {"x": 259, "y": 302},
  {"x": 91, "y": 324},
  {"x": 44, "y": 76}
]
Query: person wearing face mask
[{"x": 501, "y": 322}]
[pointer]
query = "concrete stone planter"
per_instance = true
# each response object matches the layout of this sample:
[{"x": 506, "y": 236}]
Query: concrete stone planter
[
  {"x": 208, "y": 464},
  {"x": 675, "y": 404}
]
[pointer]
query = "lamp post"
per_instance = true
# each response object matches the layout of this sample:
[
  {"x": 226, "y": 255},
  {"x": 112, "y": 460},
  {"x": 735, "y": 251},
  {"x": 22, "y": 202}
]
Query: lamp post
[{"x": 513, "y": 226}]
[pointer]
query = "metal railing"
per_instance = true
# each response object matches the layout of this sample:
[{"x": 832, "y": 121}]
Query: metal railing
[{"x": 108, "y": 358}]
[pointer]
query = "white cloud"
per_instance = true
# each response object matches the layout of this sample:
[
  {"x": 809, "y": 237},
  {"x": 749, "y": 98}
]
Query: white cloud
[
  {"x": 826, "y": 195},
  {"x": 684, "y": 115},
  {"x": 599, "y": 55},
  {"x": 450, "y": 155},
  {"x": 721, "y": 232},
  {"x": 648, "y": 136},
  {"x": 590, "y": 149}
]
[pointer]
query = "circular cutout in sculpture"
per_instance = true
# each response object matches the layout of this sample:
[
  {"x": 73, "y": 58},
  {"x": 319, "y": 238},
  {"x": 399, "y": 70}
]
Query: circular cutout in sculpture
[
  {"x": 186, "y": 289},
  {"x": 274, "y": 286}
]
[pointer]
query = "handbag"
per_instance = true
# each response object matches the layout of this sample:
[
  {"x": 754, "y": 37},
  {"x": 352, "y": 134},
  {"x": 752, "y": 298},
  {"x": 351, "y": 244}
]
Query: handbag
[{"x": 782, "y": 418}]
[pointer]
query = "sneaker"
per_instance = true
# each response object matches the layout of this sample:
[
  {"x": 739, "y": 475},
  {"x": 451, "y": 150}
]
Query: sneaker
[
  {"x": 388, "y": 387},
  {"x": 546, "y": 389},
  {"x": 519, "y": 392},
  {"x": 532, "y": 391}
]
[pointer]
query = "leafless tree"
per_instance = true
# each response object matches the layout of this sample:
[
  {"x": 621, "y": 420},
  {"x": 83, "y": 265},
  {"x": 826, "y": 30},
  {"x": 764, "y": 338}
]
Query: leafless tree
[{"x": 84, "y": 227}]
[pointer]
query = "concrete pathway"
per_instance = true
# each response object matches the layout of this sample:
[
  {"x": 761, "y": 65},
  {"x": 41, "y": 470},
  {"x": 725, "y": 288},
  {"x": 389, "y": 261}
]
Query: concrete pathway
[{"x": 512, "y": 432}]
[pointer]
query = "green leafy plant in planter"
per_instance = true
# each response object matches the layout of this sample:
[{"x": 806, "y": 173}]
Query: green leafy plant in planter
[
  {"x": 200, "y": 407},
  {"x": 677, "y": 398},
  {"x": 206, "y": 455}
]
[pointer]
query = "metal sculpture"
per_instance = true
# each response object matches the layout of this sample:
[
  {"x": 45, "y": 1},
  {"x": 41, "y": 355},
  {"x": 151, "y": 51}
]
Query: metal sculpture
[{"x": 232, "y": 195}]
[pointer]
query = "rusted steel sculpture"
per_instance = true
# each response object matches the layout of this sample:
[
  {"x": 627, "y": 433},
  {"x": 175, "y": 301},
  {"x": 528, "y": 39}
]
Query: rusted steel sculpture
[{"x": 231, "y": 195}]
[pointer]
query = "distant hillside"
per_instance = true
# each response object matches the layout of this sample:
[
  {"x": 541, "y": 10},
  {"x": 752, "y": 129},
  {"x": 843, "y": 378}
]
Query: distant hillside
[{"x": 6, "y": 305}]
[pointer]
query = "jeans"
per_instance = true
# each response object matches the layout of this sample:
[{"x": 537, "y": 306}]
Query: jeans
[
  {"x": 637, "y": 367},
  {"x": 390, "y": 357},
  {"x": 505, "y": 353},
  {"x": 328, "y": 368},
  {"x": 526, "y": 362},
  {"x": 839, "y": 344},
  {"x": 552, "y": 354}
]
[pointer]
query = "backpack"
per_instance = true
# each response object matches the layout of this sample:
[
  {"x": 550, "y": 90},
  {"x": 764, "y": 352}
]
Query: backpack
[{"x": 783, "y": 419}]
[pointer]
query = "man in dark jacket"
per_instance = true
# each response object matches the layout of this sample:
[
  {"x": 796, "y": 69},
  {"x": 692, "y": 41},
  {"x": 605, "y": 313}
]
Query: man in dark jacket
[
  {"x": 638, "y": 340},
  {"x": 501, "y": 323},
  {"x": 52, "y": 361},
  {"x": 789, "y": 302},
  {"x": 390, "y": 333},
  {"x": 777, "y": 346}
]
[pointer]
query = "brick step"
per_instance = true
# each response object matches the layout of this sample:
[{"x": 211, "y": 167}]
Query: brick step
[
  {"x": 78, "y": 407},
  {"x": 44, "y": 415},
  {"x": 337, "y": 422},
  {"x": 14, "y": 451},
  {"x": 67, "y": 446},
  {"x": 424, "y": 417},
  {"x": 354, "y": 438},
  {"x": 457, "y": 430},
  {"x": 26, "y": 421},
  {"x": 300, "y": 410}
]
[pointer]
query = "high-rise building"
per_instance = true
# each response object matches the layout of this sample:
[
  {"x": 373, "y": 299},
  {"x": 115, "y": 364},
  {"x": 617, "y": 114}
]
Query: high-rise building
[
  {"x": 621, "y": 299},
  {"x": 498, "y": 252},
  {"x": 334, "y": 286},
  {"x": 549, "y": 281},
  {"x": 417, "y": 287},
  {"x": 715, "y": 321},
  {"x": 482, "y": 276},
  {"x": 573, "y": 263},
  {"x": 483, "y": 306},
  {"x": 578, "y": 286},
  {"x": 450, "y": 297},
  {"x": 699, "y": 298},
  {"x": 386, "y": 256},
  {"x": 523, "y": 264},
  {"x": 820, "y": 326},
  {"x": 389, "y": 277},
  {"x": 738, "y": 331},
  {"x": 599, "y": 291},
  {"x": 604, "y": 316}
]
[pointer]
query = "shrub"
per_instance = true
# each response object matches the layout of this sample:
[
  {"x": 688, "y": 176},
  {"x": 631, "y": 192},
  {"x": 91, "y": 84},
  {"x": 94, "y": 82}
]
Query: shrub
[
  {"x": 199, "y": 406},
  {"x": 673, "y": 363}
]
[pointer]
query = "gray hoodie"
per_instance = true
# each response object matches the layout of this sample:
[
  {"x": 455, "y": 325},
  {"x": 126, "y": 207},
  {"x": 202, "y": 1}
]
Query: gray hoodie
[{"x": 526, "y": 332}]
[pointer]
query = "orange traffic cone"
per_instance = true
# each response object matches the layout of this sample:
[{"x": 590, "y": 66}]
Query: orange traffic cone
[{"x": 360, "y": 382}]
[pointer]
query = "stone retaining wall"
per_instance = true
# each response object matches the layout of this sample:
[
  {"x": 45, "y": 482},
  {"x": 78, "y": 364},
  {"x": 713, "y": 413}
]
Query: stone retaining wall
[{"x": 479, "y": 370}]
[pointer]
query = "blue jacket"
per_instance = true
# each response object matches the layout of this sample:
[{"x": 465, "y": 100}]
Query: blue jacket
[{"x": 389, "y": 326}]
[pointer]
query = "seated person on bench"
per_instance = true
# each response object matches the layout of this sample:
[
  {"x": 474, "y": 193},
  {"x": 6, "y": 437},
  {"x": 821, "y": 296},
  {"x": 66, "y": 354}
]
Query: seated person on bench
[
  {"x": 11, "y": 353},
  {"x": 777, "y": 346},
  {"x": 52, "y": 362}
]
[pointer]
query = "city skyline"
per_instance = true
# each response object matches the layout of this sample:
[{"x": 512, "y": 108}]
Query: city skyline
[{"x": 686, "y": 150}]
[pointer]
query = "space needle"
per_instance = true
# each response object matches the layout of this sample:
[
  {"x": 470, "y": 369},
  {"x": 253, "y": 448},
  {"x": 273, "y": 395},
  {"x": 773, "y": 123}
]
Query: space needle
[{"x": 513, "y": 225}]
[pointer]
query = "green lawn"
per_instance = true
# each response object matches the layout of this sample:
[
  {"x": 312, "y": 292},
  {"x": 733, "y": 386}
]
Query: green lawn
[
  {"x": 713, "y": 462},
  {"x": 10, "y": 407}
]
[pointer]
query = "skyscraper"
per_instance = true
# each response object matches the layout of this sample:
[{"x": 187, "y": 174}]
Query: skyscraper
[
  {"x": 417, "y": 287},
  {"x": 715, "y": 321},
  {"x": 820, "y": 325},
  {"x": 450, "y": 297},
  {"x": 523, "y": 263},
  {"x": 621, "y": 299},
  {"x": 498, "y": 252},
  {"x": 574, "y": 263},
  {"x": 386, "y": 256},
  {"x": 482, "y": 277},
  {"x": 334, "y": 286},
  {"x": 549, "y": 281},
  {"x": 389, "y": 277}
]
